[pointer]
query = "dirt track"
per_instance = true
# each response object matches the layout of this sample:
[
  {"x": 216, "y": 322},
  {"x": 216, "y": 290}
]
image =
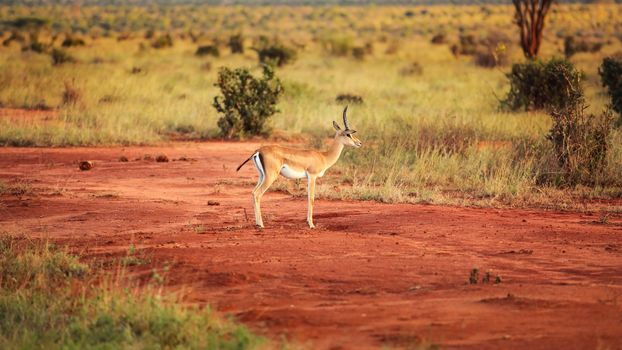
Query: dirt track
[{"x": 370, "y": 275}]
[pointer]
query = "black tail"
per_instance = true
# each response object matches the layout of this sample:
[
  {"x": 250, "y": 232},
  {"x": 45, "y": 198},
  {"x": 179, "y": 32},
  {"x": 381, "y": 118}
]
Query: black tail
[{"x": 246, "y": 161}]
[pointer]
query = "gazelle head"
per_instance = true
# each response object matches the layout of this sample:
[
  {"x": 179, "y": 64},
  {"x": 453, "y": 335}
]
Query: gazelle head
[{"x": 346, "y": 136}]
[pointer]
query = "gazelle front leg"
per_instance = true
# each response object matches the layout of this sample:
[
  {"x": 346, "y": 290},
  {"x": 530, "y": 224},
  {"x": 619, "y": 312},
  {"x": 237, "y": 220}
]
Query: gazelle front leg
[{"x": 311, "y": 195}]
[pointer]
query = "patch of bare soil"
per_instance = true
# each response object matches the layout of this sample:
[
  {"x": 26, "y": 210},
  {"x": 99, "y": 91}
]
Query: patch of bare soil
[{"x": 371, "y": 275}]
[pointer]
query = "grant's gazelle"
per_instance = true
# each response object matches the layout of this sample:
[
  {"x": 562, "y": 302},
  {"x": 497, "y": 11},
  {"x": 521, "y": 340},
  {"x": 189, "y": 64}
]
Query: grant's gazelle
[{"x": 292, "y": 163}]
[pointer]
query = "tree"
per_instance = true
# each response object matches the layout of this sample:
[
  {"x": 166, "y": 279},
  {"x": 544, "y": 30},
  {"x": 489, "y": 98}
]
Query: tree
[{"x": 529, "y": 17}]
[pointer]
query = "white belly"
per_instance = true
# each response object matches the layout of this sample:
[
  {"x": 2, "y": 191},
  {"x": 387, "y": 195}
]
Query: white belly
[{"x": 292, "y": 173}]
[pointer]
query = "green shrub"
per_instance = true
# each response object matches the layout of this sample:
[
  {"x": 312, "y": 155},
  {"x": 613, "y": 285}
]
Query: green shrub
[
  {"x": 236, "y": 43},
  {"x": 163, "y": 41},
  {"x": 276, "y": 54},
  {"x": 491, "y": 57},
  {"x": 552, "y": 85},
  {"x": 349, "y": 99},
  {"x": 28, "y": 22},
  {"x": 580, "y": 143},
  {"x": 439, "y": 39},
  {"x": 611, "y": 75},
  {"x": 574, "y": 45},
  {"x": 36, "y": 46},
  {"x": 246, "y": 102},
  {"x": 51, "y": 300},
  {"x": 467, "y": 45},
  {"x": 489, "y": 51},
  {"x": 70, "y": 41},
  {"x": 359, "y": 52},
  {"x": 208, "y": 50},
  {"x": 60, "y": 56}
]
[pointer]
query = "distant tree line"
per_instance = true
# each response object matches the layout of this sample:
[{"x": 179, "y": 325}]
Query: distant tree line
[{"x": 279, "y": 2}]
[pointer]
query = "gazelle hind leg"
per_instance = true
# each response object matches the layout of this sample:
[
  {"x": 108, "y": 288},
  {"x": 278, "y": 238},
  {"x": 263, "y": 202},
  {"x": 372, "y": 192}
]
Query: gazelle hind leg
[
  {"x": 262, "y": 177},
  {"x": 265, "y": 181}
]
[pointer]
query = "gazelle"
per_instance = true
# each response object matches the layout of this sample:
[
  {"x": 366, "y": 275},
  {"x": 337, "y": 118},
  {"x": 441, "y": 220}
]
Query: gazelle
[{"x": 271, "y": 161}]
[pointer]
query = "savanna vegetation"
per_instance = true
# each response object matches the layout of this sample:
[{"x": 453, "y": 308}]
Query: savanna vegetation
[
  {"x": 437, "y": 101},
  {"x": 50, "y": 299}
]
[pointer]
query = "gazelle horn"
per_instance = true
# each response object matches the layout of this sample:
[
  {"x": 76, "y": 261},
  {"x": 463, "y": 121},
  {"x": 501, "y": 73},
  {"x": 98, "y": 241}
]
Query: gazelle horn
[{"x": 345, "y": 118}]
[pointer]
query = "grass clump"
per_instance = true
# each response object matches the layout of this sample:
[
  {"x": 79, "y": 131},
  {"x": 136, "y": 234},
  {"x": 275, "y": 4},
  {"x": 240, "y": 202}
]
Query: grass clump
[
  {"x": 236, "y": 43},
  {"x": 49, "y": 299},
  {"x": 611, "y": 76},
  {"x": 71, "y": 94},
  {"x": 275, "y": 53},
  {"x": 573, "y": 45},
  {"x": 208, "y": 50},
  {"x": 60, "y": 56},
  {"x": 337, "y": 45},
  {"x": 246, "y": 102},
  {"x": 162, "y": 42},
  {"x": 581, "y": 143},
  {"x": 71, "y": 41},
  {"x": 552, "y": 84}
]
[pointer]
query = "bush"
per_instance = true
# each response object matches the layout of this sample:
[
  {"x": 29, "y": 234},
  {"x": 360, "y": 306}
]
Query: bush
[
  {"x": 490, "y": 51},
  {"x": 72, "y": 41},
  {"x": 491, "y": 57},
  {"x": 349, "y": 98},
  {"x": 149, "y": 34},
  {"x": 36, "y": 46},
  {"x": 60, "y": 56},
  {"x": 439, "y": 39},
  {"x": 246, "y": 102},
  {"x": 580, "y": 143},
  {"x": 236, "y": 43},
  {"x": 611, "y": 75},
  {"x": 467, "y": 45},
  {"x": 208, "y": 50},
  {"x": 163, "y": 41},
  {"x": 573, "y": 45},
  {"x": 552, "y": 85},
  {"x": 359, "y": 53},
  {"x": 276, "y": 54}
]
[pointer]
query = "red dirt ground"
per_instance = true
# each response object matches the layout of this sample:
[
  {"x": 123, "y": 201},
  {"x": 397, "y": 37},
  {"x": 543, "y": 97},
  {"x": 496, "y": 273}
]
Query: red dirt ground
[{"x": 370, "y": 276}]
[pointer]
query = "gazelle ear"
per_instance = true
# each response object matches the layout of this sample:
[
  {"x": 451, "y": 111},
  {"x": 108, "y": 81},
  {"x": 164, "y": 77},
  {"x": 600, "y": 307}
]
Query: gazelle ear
[
  {"x": 336, "y": 126},
  {"x": 349, "y": 132}
]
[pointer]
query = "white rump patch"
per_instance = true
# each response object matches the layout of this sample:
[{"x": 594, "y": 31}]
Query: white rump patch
[
  {"x": 259, "y": 167},
  {"x": 291, "y": 173}
]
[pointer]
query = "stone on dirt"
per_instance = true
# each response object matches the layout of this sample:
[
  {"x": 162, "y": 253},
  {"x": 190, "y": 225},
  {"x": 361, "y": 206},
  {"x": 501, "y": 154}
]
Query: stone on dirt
[
  {"x": 86, "y": 165},
  {"x": 161, "y": 158}
]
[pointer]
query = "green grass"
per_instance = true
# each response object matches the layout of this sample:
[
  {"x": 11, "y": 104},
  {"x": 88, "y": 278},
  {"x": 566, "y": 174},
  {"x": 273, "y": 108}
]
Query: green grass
[
  {"x": 49, "y": 299},
  {"x": 436, "y": 137}
]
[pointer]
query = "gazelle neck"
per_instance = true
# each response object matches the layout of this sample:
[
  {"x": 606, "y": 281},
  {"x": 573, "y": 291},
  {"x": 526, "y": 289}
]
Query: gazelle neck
[{"x": 333, "y": 153}]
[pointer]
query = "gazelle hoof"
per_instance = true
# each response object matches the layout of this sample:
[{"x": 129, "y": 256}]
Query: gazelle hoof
[
  {"x": 259, "y": 226},
  {"x": 311, "y": 226}
]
